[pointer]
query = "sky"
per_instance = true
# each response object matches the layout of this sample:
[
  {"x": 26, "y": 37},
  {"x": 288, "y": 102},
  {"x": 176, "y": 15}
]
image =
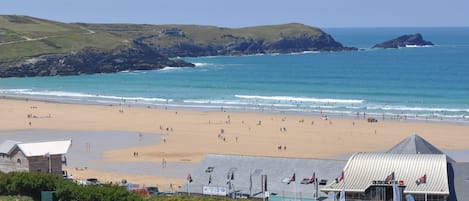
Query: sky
[{"x": 242, "y": 13}]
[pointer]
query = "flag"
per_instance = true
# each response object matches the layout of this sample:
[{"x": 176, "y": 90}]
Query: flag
[
  {"x": 342, "y": 194},
  {"x": 189, "y": 178},
  {"x": 311, "y": 179},
  {"x": 292, "y": 178},
  {"x": 390, "y": 177},
  {"x": 340, "y": 177},
  {"x": 47, "y": 155},
  {"x": 250, "y": 183},
  {"x": 209, "y": 179},
  {"x": 422, "y": 179},
  {"x": 228, "y": 178},
  {"x": 396, "y": 193}
]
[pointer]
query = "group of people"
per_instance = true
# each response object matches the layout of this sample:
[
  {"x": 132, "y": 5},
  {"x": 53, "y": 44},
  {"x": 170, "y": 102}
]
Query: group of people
[{"x": 279, "y": 147}]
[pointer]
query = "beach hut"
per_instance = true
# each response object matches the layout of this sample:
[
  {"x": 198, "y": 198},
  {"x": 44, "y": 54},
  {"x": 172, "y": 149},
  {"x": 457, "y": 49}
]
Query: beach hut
[{"x": 33, "y": 157}]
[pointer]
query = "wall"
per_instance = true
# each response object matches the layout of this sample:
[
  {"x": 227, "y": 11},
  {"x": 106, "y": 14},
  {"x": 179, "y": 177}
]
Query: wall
[
  {"x": 17, "y": 162},
  {"x": 41, "y": 164}
]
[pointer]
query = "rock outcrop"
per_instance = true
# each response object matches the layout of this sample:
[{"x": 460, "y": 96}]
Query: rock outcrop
[
  {"x": 91, "y": 61},
  {"x": 403, "y": 41},
  {"x": 248, "y": 46}
]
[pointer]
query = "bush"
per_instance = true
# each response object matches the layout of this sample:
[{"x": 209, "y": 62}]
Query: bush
[{"x": 31, "y": 184}]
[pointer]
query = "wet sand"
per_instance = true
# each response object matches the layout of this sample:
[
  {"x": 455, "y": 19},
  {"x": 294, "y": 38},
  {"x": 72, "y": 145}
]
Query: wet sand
[{"x": 186, "y": 136}]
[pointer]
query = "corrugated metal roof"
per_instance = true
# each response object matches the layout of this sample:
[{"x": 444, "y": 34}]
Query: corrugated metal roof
[
  {"x": 43, "y": 148},
  {"x": 7, "y": 146},
  {"x": 364, "y": 168}
]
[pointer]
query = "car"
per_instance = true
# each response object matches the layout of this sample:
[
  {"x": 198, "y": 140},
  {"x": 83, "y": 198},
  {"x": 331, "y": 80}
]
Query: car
[
  {"x": 152, "y": 190},
  {"x": 92, "y": 181},
  {"x": 140, "y": 191}
]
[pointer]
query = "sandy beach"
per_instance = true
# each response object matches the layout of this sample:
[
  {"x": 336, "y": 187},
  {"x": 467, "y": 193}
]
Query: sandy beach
[{"x": 186, "y": 136}]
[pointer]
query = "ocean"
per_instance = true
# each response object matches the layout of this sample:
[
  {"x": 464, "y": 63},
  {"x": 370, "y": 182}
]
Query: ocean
[{"x": 416, "y": 83}]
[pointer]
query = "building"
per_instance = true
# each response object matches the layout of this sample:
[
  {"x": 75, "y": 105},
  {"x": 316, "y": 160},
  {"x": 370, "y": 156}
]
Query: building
[
  {"x": 416, "y": 167},
  {"x": 33, "y": 157}
]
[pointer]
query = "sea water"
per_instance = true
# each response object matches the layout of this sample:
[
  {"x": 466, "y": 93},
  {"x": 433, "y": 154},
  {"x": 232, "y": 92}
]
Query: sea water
[{"x": 423, "y": 83}]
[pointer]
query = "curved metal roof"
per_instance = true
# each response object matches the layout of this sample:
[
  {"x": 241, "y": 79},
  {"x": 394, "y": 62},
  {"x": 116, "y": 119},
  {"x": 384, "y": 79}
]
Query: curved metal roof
[{"x": 364, "y": 168}]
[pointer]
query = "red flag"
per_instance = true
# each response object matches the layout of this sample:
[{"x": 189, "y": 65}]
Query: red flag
[
  {"x": 422, "y": 179},
  {"x": 46, "y": 155},
  {"x": 390, "y": 177},
  {"x": 292, "y": 178},
  {"x": 312, "y": 178},
  {"x": 189, "y": 178},
  {"x": 340, "y": 177}
]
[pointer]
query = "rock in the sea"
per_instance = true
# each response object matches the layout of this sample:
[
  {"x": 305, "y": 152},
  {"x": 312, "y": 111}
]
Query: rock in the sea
[{"x": 403, "y": 41}]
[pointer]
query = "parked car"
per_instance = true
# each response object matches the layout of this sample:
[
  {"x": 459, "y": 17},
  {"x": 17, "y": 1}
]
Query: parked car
[
  {"x": 152, "y": 190},
  {"x": 140, "y": 191},
  {"x": 92, "y": 181}
]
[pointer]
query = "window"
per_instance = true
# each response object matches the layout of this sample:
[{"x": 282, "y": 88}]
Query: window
[{"x": 18, "y": 161}]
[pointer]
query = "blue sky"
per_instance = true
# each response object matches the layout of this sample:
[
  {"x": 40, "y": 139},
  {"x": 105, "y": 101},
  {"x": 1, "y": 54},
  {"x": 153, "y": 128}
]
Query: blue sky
[{"x": 241, "y": 13}]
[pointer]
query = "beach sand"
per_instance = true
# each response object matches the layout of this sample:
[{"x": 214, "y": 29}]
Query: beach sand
[{"x": 189, "y": 135}]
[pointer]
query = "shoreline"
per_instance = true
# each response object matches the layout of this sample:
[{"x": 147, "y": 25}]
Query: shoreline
[{"x": 251, "y": 109}]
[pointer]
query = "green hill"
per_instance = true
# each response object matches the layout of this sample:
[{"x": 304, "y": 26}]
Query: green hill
[
  {"x": 36, "y": 47},
  {"x": 23, "y": 36}
]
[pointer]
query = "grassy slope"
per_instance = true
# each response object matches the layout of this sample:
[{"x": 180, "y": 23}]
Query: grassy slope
[
  {"x": 205, "y": 35},
  {"x": 61, "y": 38}
]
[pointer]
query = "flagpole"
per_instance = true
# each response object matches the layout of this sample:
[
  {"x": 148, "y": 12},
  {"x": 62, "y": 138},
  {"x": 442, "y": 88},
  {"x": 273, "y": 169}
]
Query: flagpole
[
  {"x": 250, "y": 183},
  {"x": 294, "y": 172},
  {"x": 50, "y": 163}
]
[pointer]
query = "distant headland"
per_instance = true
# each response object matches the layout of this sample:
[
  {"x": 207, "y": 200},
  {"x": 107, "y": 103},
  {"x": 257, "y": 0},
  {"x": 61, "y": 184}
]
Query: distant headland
[{"x": 31, "y": 46}]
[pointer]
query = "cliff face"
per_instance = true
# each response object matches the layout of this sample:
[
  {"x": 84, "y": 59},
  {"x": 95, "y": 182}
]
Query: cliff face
[
  {"x": 91, "y": 61},
  {"x": 246, "y": 46},
  {"x": 403, "y": 41}
]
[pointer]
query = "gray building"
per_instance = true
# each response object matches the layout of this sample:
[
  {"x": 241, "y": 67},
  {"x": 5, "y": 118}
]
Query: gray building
[
  {"x": 416, "y": 167},
  {"x": 33, "y": 157}
]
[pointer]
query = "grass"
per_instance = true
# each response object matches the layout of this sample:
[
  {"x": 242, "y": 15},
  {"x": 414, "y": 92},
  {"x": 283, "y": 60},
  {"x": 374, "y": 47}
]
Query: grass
[
  {"x": 65, "y": 38},
  {"x": 205, "y": 35},
  {"x": 62, "y": 38}
]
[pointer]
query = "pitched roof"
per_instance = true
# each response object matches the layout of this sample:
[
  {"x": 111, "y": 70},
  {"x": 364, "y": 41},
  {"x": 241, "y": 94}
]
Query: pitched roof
[
  {"x": 415, "y": 144},
  {"x": 43, "y": 148},
  {"x": 364, "y": 168},
  {"x": 7, "y": 146},
  {"x": 458, "y": 175}
]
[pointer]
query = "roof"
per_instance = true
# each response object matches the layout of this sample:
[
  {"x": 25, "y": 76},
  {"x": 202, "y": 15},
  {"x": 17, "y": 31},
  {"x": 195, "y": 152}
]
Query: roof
[
  {"x": 414, "y": 144},
  {"x": 7, "y": 146},
  {"x": 276, "y": 169},
  {"x": 363, "y": 168},
  {"x": 43, "y": 148},
  {"x": 458, "y": 175}
]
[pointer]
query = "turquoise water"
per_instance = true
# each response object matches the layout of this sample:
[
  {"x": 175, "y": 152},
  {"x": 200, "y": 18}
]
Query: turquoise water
[{"x": 430, "y": 83}]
